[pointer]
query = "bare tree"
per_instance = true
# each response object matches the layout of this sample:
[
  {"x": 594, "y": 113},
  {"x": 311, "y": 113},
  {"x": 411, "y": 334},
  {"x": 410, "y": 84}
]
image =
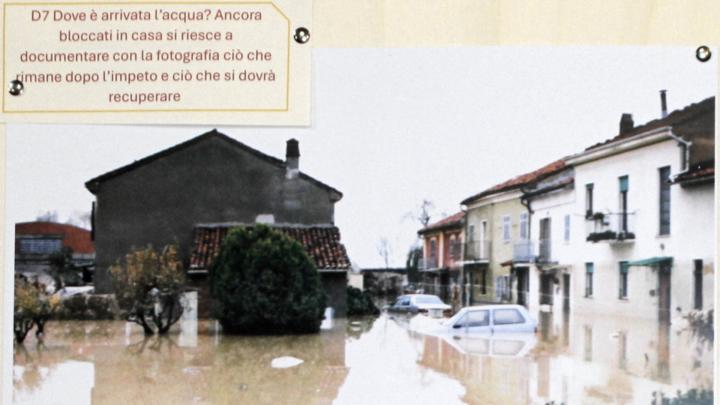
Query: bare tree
[
  {"x": 385, "y": 251},
  {"x": 422, "y": 214}
]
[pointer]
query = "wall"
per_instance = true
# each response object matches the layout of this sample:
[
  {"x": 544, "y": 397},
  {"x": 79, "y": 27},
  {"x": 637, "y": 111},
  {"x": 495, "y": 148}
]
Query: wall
[
  {"x": 690, "y": 237},
  {"x": 493, "y": 209},
  {"x": 212, "y": 181}
]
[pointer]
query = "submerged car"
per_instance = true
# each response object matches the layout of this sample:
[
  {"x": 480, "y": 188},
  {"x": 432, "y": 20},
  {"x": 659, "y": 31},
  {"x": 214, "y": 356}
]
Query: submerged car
[
  {"x": 430, "y": 305},
  {"x": 490, "y": 319}
]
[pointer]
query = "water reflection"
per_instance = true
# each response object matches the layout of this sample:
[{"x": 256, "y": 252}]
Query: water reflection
[{"x": 365, "y": 360}]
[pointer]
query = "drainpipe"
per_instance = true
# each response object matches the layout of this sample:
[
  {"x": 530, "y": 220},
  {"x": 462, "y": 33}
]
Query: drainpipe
[
  {"x": 687, "y": 145},
  {"x": 526, "y": 203}
]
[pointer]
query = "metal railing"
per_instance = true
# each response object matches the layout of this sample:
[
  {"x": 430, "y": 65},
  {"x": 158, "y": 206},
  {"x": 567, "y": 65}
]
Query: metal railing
[
  {"x": 425, "y": 264},
  {"x": 523, "y": 251},
  {"x": 477, "y": 250},
  {"x": 613, "y": 227}
]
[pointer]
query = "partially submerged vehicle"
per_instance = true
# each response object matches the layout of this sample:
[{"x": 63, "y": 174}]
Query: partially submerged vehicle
[{"x": 430, "y": 305}]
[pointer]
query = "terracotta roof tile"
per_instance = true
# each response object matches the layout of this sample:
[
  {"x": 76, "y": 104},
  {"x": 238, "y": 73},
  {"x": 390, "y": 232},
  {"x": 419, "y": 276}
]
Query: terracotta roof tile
[
  {"x": 322, "y": 243},
  {"x": 519, "y": 181},
  {"x": 451, "y": 221},
  {"x": 696, "y": 174}
]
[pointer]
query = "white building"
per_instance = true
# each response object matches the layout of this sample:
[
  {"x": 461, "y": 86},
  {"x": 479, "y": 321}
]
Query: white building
[
  {"x": 551, "y": 202},
  {"x": 646, "y": 198}
]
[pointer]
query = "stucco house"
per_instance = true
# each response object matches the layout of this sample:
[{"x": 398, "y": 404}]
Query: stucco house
[
  {"x": 647, "y": 200},
  {"x": 497, "y": 253},
  {"x": 442, "y": 259},
  {"x": 191, "y": 193}
]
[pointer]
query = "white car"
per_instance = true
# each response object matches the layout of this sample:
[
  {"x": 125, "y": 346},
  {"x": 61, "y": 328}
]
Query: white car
[
  {"x": 491, "y": 319},
  {"x": 430, "y": 305}
]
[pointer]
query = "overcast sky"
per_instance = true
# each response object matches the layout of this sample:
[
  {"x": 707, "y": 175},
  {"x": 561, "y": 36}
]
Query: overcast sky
[{"x": 393, "y": 127}]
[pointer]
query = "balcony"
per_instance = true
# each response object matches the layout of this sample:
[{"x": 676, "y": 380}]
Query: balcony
[
  {"x": 610, "y": 227},
  {"x": 523, "y": 251},
  {"x": 477, "y": 251},
  {"x": 427, "y": 264},
  {"x": 532, "y": 251}
]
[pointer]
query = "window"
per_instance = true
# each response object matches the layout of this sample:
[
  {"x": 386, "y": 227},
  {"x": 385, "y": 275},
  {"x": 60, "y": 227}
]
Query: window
[
  {"x": 524, "y": 226},
  {"x": 40, "y": 246},
  {"x": 698, "y": 282},
  {"x": 506, "y": 228},
  {"x": 507, "y": 317},
  {"x": 589, "y": 270},
  {"x": 566, "y": 230},
  {"x": 624, "y": 185},
  {"x": 433, "y": 249},
  {"x": 588, "y": 200},
  {"x": 623, "y": 293},
  {"x": 664, "y": 201},
  {"x": 471, "y": 233},
  {"x": 474, "y": 319}
]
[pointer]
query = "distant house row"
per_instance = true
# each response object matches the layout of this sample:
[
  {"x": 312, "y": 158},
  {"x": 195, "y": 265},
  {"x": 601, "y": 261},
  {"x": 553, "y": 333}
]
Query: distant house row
[{"x": 625, "y": 226}]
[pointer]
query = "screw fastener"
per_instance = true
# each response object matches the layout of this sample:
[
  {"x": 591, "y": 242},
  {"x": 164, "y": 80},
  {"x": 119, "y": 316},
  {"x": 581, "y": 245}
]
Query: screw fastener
[
  {"x": 703, "y": 53},
  {"x": 302, "y": 35},
  {"x": 16, "y": 88}
]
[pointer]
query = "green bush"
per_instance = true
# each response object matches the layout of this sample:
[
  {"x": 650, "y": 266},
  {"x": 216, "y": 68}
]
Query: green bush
[
  {"x": 86, "y": 307},
  {"x": 360, "y": 302},
  {"x": 264, "y": 282}
]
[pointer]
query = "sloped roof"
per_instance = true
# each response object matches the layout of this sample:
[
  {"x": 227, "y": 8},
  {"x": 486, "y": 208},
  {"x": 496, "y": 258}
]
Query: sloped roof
[
  {"x": 452, "y": 221},
  {"x": 93, "y": 184},
  {"x": 74, "y": 237},
  {"x": 696, "y": 175},
  {"x": 322, "y": 243},
  {"x": 519, "y": 181},
  {"x": 684, "y": 123}
]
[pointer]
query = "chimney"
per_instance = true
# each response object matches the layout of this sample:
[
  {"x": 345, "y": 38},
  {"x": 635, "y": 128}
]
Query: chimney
[
  {"x": 292, "y": 158},
  {"x": 626, "y": 123},
  {"x": 663, "y": 103}
]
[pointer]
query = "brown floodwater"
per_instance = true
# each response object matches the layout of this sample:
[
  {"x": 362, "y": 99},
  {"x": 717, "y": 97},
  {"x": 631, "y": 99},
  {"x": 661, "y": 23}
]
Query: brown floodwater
[{"x": 359, "y": 361}]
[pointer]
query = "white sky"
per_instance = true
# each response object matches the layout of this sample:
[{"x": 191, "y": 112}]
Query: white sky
[{"x": 394, "y": 127}]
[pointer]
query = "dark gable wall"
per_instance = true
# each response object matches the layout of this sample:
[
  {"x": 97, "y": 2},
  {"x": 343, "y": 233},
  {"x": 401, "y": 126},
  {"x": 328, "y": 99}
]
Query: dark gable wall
[{"x": 211, "y": 181}]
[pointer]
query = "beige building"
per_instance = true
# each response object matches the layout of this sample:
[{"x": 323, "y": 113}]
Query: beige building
[{"x": 497, "y": 240}]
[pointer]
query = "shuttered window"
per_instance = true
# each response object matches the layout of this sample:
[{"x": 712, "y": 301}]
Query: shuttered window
[{"x": 664, "y": 201}]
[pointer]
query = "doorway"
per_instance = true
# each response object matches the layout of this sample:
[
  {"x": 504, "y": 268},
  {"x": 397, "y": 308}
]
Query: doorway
[
  {"x": 664, "y": 293},
  {"x": 523, "y": 285},
  {"x": 566, "y": 293}
]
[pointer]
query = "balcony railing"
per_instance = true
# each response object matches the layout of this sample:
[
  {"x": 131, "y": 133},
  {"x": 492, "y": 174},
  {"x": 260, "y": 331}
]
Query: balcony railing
[
  {"x": 426, "y": 264},
  {"x": 532, "y": 251},
  {"x": 611, "y": 227},
  {"x": 523, "y": 251},
  {"x": 477, "y": 250}
]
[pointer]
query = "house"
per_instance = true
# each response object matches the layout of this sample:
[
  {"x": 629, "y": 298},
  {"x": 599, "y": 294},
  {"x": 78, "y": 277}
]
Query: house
[
  {"x": 197, "y": 190},
  {"x": 36, "y": 241},
  {"x": 497, "y": 236},
  {"x": 646, "y": 197},
  {"x": 543, "y": 261},
  {"x": 441, "y": 263}
]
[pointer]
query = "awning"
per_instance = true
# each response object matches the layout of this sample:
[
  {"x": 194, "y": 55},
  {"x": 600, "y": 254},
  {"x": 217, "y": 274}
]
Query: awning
[{"x": 653, "y": 261}]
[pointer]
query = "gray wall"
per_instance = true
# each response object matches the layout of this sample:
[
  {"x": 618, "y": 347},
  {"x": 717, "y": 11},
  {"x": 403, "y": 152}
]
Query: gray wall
[{"x": 210, "y": 181}]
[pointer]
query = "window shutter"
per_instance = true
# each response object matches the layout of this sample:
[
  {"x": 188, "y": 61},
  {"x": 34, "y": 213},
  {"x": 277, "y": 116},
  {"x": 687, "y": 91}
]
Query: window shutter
[{"x": 624, "y": 183}]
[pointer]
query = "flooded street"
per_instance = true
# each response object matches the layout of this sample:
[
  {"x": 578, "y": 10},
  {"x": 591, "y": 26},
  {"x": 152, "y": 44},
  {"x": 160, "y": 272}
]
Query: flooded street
[{"x": 360, "y": 361}]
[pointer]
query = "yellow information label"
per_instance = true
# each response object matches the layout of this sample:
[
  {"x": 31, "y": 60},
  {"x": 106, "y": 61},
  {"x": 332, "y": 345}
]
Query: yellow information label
[{"x": 167, "y": 62}]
